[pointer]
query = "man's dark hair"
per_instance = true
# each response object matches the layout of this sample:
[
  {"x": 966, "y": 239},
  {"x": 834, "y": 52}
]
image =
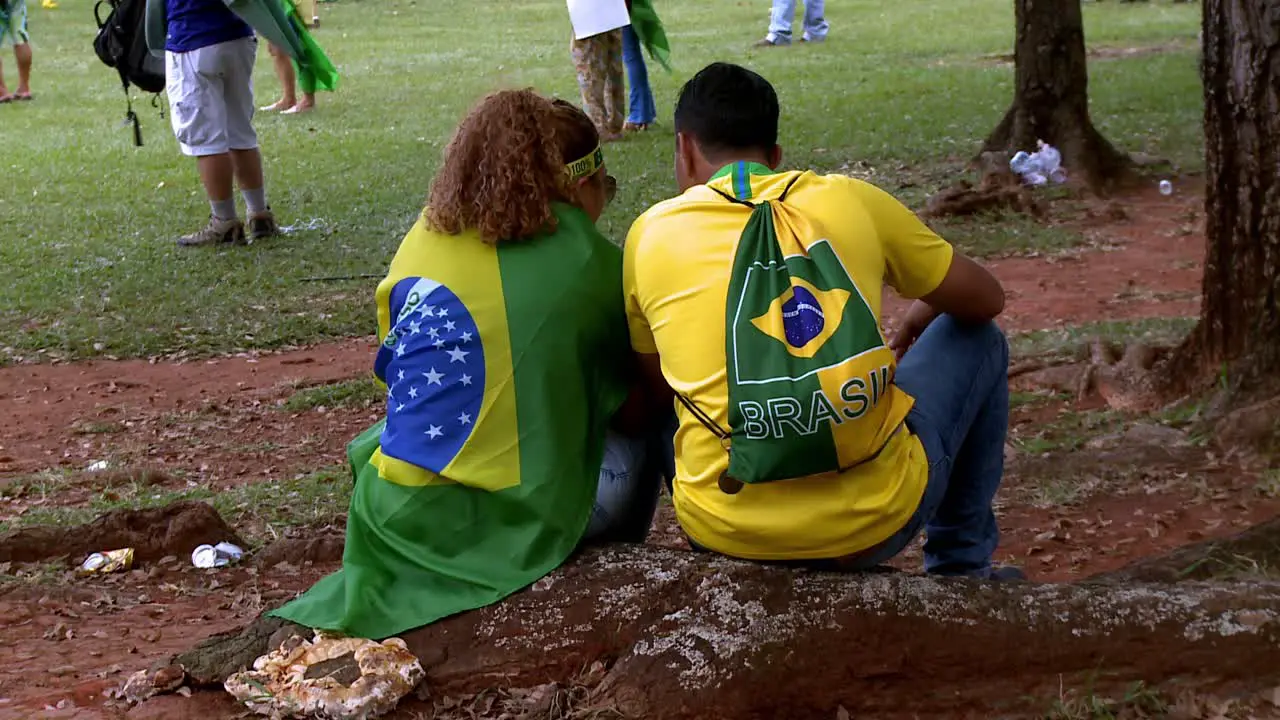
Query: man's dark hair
[{"x": 728, "y": 108}]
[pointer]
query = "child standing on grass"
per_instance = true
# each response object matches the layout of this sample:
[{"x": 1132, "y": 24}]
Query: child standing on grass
[{"x": 13, "y": 28}]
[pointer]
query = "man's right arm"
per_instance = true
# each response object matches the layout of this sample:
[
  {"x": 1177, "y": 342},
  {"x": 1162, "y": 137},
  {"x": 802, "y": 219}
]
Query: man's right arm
[
  {"x": 922, "y": 266},
  {"x": 968, "y": 291}
]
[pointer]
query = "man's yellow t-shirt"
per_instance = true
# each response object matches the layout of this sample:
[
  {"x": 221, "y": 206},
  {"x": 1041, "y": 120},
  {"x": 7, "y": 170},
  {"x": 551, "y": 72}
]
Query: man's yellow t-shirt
[{"x": 676, "y": 275}]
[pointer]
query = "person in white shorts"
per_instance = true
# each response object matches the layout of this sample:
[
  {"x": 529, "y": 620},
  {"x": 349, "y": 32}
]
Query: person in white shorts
[
  {"x": 209, "y": 55},
  {"x": 13, "y": 29}
]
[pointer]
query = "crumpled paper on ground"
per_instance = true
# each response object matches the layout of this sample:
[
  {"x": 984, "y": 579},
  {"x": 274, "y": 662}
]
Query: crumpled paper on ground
[{"x": 278, "y": 687}]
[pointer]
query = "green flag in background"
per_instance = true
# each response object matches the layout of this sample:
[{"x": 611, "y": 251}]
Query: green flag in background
[{"x": 649, "y": 30}]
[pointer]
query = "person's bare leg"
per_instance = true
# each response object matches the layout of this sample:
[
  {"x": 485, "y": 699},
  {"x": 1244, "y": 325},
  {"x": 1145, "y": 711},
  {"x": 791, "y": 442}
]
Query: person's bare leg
[
  {"x": 22, "y": 53},
  {"x": 307, "y": 103},
  {"x": 249, "y": 176},
  {"x": 247, "y": 165},
  {"x": 215, "y": 175},
  {"x": 223, "y": 226},
  {"x": 284, "y": 71},
  {"x": 4, "y": 91}
]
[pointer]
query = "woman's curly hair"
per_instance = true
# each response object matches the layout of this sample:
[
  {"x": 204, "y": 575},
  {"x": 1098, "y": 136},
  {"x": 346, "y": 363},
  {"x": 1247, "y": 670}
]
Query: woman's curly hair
[{"x": 506, "y": 165}]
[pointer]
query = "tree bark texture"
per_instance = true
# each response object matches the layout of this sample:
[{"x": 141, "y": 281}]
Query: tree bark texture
[
  {"x": 1240, "y": 309},
  {"x": 1051, "y": 94},
  {"x": 695, "y": 636}
]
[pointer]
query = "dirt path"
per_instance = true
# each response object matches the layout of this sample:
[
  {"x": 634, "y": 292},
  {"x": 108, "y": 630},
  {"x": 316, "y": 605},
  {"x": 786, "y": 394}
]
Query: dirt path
[
  {"x": 219, "y": 422},
  {"x": 127, "y": 412}
]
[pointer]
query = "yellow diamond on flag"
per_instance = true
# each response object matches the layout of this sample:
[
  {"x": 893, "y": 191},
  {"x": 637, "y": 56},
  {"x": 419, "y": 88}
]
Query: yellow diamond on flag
[{"x": 803, "y": 317}]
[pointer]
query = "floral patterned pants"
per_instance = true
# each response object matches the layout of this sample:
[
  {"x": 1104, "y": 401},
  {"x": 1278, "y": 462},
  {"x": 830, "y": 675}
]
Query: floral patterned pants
[{"x": 598, "y": 60}]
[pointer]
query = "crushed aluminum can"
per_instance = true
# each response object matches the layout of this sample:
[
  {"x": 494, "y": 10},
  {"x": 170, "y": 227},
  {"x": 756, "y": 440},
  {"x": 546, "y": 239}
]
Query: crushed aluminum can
[
  {"x": 109, "y": 561},
  {"x": 213, "y": 556}
]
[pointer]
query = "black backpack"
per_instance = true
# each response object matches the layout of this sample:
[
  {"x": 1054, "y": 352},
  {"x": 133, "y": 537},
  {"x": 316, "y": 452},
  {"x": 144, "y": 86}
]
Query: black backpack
[{"x": 122, "y": 44}]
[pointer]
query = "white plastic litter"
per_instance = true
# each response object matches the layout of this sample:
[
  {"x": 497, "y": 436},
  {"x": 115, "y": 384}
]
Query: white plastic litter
[{"x": 1040, "y": 167}]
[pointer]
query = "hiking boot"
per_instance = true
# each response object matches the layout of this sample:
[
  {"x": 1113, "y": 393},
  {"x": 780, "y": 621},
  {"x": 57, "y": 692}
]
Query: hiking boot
[
  {"x": 262, "y": 226},
  {"x": 217, "y": 232}
]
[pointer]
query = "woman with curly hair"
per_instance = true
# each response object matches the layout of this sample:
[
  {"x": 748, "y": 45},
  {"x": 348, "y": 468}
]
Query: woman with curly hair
[{"x": 506, "y": 359}]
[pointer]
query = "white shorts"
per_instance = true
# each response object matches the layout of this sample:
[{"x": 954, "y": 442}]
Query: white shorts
[{"x": 211, "y": 97}]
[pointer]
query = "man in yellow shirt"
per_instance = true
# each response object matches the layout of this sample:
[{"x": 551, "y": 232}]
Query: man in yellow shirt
[{"x": 755, "y": 296}]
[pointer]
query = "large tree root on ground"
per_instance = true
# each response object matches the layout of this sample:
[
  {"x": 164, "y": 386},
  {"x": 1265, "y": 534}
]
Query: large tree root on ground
[
  {"x": 175, "y": 529},
  {"x": 1251, "y": 552},
  {"x": 693, "y": 636}
]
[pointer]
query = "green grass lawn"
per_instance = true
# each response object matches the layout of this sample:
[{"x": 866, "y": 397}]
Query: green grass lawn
[{"x": 89, "y": 221}]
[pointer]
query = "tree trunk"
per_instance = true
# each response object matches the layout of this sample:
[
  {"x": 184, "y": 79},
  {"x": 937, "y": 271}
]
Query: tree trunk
[
  {"x": 1240, "y": 305},
  {"x": 697, "y": 636},
  {"x": 1051, "y": 95}
]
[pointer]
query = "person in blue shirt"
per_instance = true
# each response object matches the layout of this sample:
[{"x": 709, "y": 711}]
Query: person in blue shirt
[{"x": 209, "y": 56}]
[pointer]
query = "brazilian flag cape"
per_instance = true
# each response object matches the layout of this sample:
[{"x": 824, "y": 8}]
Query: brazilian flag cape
[
  {"x": 649, "y": 30},
  {"x": 503, "y": 365}
]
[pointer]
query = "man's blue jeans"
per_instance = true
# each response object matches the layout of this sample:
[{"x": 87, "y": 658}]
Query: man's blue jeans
[
  {"x": 643, "y": 111},
  {"x": 815, "y": 21},
  {"x": 959, "y": 377},
  {"x": 631, "y": 479}
]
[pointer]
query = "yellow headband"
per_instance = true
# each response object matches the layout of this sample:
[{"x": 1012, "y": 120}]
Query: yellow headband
[{"x": 587, "y": 166}]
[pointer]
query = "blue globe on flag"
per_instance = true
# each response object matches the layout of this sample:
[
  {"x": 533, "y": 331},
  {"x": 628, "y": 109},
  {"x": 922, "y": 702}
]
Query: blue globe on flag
[
  {"x": 432, "y": 361},
  {"x": 802, "y": 317}
]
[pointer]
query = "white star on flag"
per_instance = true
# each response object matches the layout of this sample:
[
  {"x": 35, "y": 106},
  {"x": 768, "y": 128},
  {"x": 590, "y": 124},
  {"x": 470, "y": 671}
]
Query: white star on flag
[
  {"x": 438, "y": 343},
  {"x": 413, "y": 391},
  {"x": 400, "y": 350},
  {"x": 466, "y": 379},
  {"x": 444, "y": 312},
  {"x": 435, "y": 431},
  {"x": 466, "y": 337},
  {"x": 449, "y": 326},
  {"x": 465, "y": 419},
  {"x": 433, "y": 332},
  {"x": 414, "y": 327},
  {"x": 429, "y": 310},
  {"x": 458, "y": 355},
  {"x": 400, "y": 375},
  {"x": 399, "y": 407},
  {"x": 433, "y": 377}
]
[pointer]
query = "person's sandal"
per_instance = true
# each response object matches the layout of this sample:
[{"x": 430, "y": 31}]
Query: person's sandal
[{"x": 631, "y": 127}]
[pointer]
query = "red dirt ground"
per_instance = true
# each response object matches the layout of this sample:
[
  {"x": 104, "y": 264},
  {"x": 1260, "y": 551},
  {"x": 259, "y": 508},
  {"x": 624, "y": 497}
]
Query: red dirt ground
[{"x": 217, "y": 422}]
